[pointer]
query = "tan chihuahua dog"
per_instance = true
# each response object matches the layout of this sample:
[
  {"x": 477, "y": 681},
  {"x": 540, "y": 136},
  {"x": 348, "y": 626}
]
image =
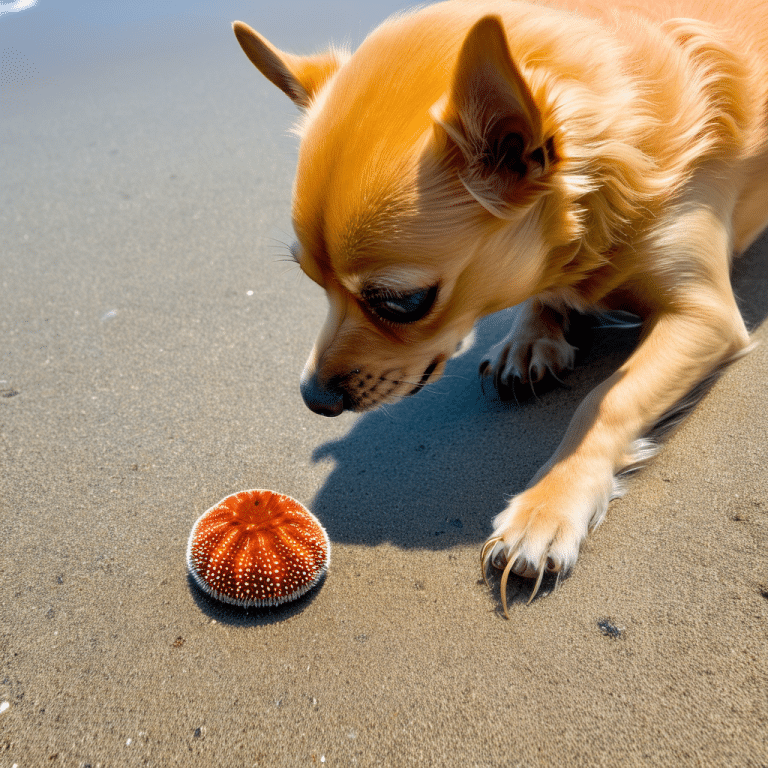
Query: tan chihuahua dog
[{"x": 477, "y": 155}]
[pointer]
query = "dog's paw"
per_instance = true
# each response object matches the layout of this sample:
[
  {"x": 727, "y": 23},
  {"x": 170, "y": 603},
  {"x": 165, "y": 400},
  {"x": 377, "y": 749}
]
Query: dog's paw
[
  {"x": 541, "y": 531},
  {"x": 530, "y": 352}
]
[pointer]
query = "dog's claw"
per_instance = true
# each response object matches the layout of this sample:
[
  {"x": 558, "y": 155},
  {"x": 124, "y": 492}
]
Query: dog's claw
[
  {"x": 513, "y": 562},
  {"x": 488, "y": 557},
  {"x": 536, "y": 585},
  {"x": 504, "y": 577}
]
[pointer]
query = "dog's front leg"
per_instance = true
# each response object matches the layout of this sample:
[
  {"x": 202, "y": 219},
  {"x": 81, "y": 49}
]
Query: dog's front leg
[{"x": 542, "y": 528}]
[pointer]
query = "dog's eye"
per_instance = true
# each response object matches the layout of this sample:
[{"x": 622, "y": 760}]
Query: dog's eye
[{"x": 398, "y": 307}]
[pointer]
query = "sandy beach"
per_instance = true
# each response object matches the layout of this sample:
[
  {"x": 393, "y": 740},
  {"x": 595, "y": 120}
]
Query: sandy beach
[{"x": 152, "y": 335}]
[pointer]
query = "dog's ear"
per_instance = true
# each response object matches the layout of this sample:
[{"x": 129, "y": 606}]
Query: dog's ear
[
  {"x": 299, "y": 77},
  {"x": 490, "y": 116}
]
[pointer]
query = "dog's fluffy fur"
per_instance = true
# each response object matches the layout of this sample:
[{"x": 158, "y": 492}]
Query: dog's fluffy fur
[{"x": 476, "y": 155}]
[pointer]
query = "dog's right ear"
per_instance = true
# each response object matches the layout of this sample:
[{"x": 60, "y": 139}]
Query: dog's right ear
[{"x": 299, "y": 77}]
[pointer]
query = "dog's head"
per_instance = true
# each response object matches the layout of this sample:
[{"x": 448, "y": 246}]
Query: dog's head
[{"x": 420, "y": 200}]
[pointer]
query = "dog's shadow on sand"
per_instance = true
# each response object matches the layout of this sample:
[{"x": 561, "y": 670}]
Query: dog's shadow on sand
[{"x": 433, "y": 470}]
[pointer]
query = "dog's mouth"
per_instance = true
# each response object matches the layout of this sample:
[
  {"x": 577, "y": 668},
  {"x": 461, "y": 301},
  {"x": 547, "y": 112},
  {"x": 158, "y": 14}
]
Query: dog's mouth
[
  {"x": 360, "y": 391},
  {"x": 425, "y": 377}
]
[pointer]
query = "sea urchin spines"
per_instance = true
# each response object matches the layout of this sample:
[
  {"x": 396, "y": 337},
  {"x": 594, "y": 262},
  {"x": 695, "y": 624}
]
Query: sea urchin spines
[{"x": 257, "y": 548}]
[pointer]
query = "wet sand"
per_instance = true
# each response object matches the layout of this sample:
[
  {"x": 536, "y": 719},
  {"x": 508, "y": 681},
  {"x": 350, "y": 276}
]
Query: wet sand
[{"x": 152, "y": 336}]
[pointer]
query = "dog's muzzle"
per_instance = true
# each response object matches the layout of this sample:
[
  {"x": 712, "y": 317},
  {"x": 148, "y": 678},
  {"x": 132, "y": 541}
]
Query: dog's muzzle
[{"x": 347, "y": 392}]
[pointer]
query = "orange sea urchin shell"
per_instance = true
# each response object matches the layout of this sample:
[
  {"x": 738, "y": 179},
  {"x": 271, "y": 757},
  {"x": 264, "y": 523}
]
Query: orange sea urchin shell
[{"x": 257, "y": 548}]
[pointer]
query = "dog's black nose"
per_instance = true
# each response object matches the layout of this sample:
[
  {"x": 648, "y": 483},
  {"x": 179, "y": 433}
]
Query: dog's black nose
[{"x": 325, "y": 400}]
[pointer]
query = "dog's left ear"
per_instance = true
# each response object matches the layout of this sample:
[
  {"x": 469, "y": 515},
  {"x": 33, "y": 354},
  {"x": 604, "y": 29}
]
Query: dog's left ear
[
  {"x": 299, "y": 77},
  {"x": 491, "y": 117}
]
